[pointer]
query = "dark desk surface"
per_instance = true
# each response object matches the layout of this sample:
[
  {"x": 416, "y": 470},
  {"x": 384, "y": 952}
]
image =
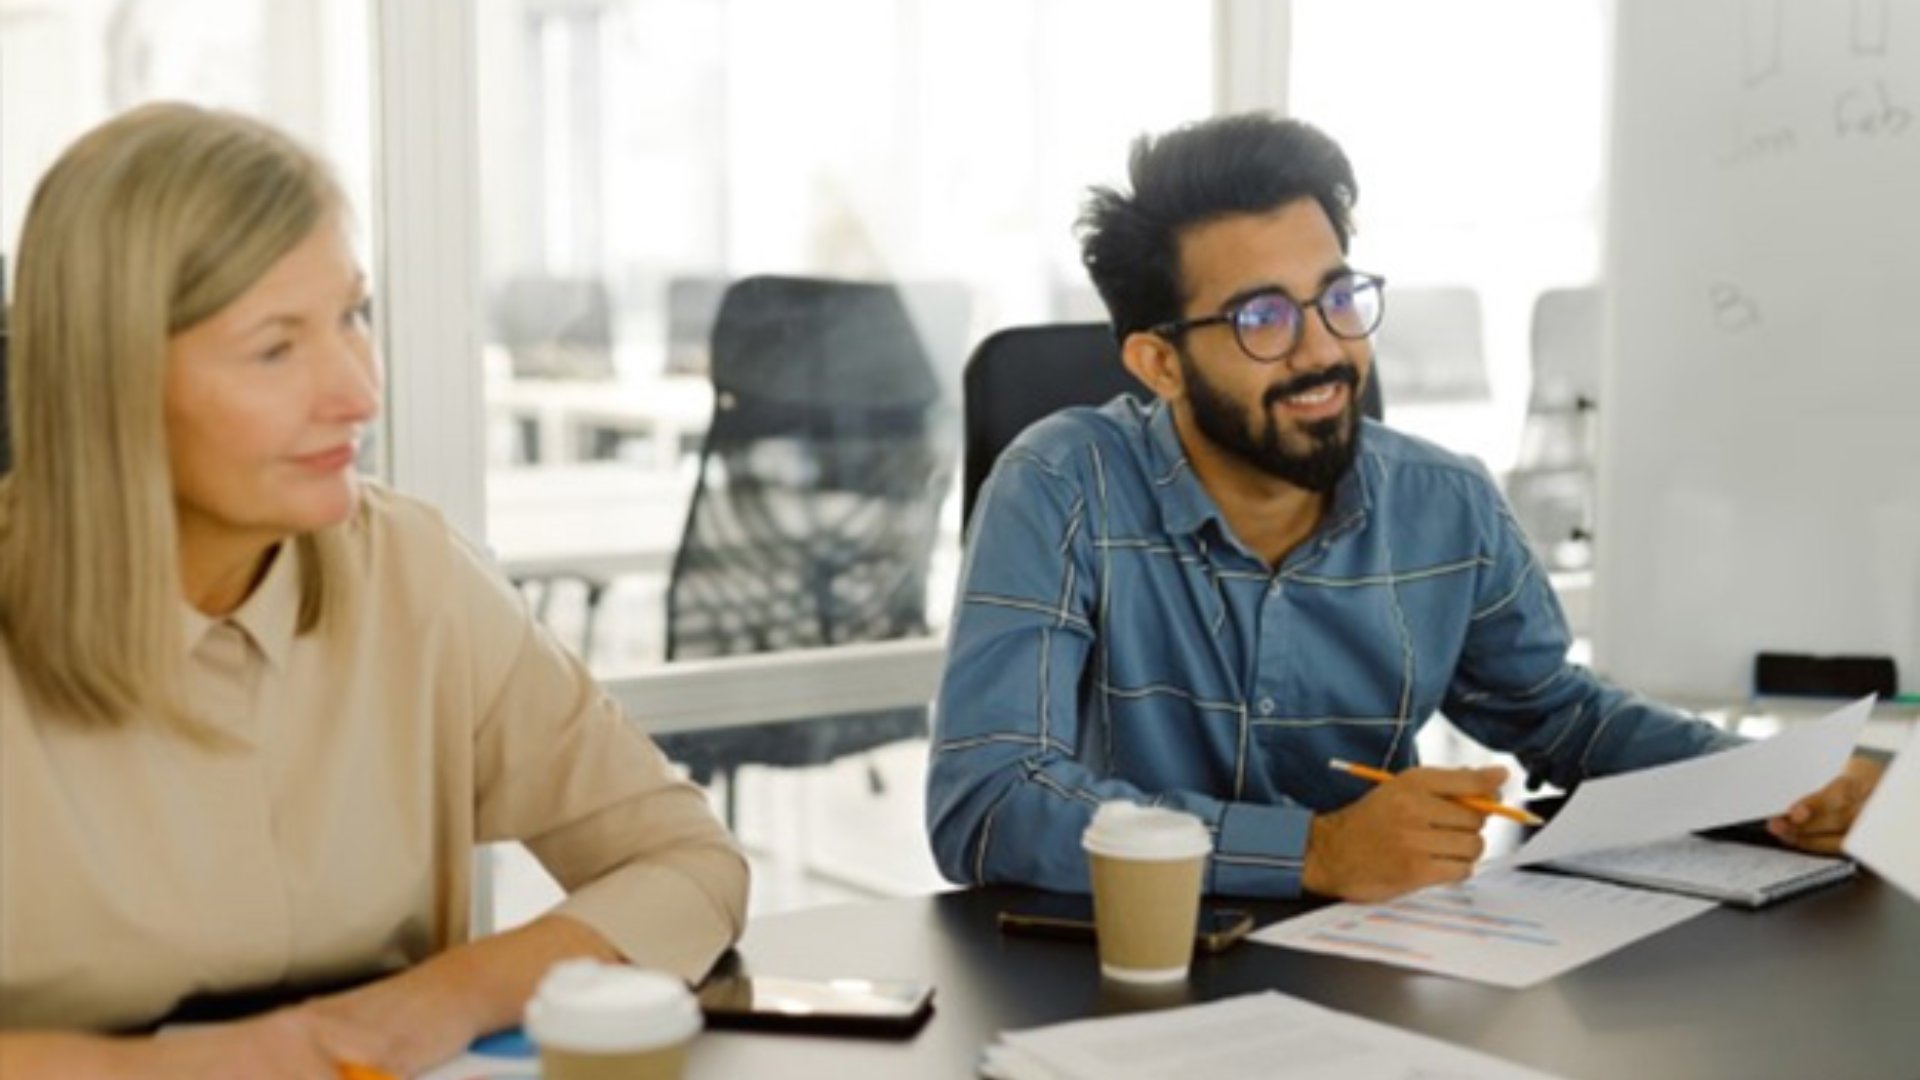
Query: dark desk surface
[{"x": 1826, "y": 985}]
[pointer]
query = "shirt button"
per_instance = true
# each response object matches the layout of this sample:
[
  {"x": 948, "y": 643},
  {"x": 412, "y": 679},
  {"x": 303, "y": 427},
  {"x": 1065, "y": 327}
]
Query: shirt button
[{"x": 1266, "y": 706}]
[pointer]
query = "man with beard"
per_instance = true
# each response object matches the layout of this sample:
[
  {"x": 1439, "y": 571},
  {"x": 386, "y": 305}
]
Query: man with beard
[{"x": 1200, "y": 603}]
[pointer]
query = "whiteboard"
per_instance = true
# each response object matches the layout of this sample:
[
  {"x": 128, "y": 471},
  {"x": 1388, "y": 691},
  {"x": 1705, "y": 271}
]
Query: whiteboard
[{"x": 1759, "y": 457}]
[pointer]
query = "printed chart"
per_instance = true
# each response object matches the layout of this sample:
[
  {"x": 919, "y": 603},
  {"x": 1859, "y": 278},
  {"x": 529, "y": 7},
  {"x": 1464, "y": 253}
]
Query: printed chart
[{"x": 1509, "y": 927}]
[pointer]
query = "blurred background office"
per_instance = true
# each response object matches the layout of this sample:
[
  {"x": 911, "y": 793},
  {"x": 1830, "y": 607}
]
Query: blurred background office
[{"x": 675, "y": 297}]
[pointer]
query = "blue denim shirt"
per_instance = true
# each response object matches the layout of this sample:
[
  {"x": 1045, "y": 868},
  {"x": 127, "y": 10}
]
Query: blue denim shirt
[{"x": 1113, "y": 640}]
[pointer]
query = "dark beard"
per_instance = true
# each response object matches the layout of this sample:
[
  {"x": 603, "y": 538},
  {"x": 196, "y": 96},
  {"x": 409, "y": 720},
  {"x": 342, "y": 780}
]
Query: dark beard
[{"x": 1334, "y": 442}]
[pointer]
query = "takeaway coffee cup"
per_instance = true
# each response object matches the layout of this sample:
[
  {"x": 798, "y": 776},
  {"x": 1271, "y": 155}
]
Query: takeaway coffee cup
[
  {"x": 597, "y": 1021},
  {"x": 1146, "y": 863}
]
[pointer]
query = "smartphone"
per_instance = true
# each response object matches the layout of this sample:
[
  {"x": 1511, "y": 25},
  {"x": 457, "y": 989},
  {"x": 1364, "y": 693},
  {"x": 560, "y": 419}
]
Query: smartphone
[
  {"x": 1071, "y": 915},
  {"x": 888, "y": 1008}
]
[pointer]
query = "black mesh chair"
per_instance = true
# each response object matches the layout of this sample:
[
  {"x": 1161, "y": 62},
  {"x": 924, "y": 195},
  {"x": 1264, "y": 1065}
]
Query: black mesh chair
[
  {"x": 1019, "y": 375},
  {"x": 818, "y": 499}
]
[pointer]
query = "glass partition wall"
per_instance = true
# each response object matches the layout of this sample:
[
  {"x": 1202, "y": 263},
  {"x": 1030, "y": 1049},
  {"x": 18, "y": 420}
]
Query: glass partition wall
[{"x": 728, "y": 257}]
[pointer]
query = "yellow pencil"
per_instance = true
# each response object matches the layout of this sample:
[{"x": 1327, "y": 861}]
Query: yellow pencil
[
  {"x": 364, "y": 1072},
  {"x": 1471, "y": 802}
]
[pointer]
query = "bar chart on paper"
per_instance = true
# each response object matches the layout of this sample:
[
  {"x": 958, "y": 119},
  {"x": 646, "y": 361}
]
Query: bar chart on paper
[{"x": 1510, "y": 928}]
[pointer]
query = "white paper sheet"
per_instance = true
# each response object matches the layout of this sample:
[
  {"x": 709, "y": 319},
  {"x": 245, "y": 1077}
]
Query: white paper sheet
[
  {"x": 1509, "y": 928},
  {"x": 1253, "y": 1037},
  {"x": 1886, "y": 835},
  {"x": 1757, "y": 780}
]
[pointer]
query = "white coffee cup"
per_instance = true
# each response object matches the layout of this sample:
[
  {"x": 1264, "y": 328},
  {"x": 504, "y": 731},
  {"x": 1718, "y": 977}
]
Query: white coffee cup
[
  {"x": 595, "y": 1021},
  {"x": 1147, "y": 864}
]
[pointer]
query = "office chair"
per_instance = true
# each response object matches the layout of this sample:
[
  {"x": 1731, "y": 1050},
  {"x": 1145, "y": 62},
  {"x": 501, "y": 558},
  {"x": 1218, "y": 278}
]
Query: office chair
[
  {"x": 556, "y": 327},
  {"x": 1020, "y": 375},
  {"x": 692, "y": 305},
  {"x": 818, "y": 498},
  {"x": 1551, "y": 487},
  {"x": 1431, "y": 345}
]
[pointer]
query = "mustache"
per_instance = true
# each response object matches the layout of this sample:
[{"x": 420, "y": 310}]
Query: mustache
[{"x": 1338, "y": 373}]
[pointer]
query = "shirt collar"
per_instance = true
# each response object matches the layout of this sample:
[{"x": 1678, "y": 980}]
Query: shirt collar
[
  {"x": 267, "y": 617},
  {"x": 1185, "y": 505}
]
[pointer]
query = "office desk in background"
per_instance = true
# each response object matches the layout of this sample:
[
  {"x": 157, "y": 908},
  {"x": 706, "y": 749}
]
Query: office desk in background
[
  {"x": 568, "y": 419},
  {"x": 594, "y": 520},
  {"x": 1827, "y": 985}
]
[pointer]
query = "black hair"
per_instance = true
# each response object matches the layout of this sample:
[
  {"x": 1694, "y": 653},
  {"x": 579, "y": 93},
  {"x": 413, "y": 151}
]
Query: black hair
[{"x": 1249, "y": 163}]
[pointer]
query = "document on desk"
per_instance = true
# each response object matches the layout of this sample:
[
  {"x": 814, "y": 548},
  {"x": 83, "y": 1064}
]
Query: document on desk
[
  {"x": 1512, "y": 928},
  {"x": 1886, "y": 835},
  {"x": 1757, "y": 780},
  {"x": 1253, "y": 1037}
]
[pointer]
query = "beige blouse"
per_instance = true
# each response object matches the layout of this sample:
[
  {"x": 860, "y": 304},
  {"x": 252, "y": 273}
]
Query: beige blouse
[{"x": 331, "y": 836}]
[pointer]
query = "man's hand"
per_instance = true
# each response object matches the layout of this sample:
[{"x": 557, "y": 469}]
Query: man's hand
[
  {"x": 1405, "y": 834},
  {"x": 1820, "y": 821}
]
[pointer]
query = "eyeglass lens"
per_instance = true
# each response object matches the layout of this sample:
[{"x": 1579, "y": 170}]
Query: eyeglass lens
[{"x": 1269, "y": 324}]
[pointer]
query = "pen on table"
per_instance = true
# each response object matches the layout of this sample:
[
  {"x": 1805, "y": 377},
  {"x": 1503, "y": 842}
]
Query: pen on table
[{"x": 1471, "y": 802}]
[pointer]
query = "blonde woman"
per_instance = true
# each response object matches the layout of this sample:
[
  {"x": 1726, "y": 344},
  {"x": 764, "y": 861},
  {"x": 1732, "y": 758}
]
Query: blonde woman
[{"x": 255, "y": 712}]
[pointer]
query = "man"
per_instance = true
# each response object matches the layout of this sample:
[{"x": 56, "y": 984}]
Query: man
[{"x": 1200, "y": 603}]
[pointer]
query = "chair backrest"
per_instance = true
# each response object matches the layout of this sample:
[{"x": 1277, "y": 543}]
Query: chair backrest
[
  {"x": 556, "y": 327},
  {"x": 1020, "y": 375},
  {"x": 830, "y": 452},
  {"x": 1023, "y": 374},
  {"x": 1566, "y": 346},
  {"x": 692, "y": 305},
  {"x": 1431, "y": 345},
  {"x": 1551, "y": 487}
]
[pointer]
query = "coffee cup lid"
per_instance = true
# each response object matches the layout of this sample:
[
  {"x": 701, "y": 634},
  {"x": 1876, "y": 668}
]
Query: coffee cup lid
[
  {"x": 590, "y": 1007},
  {"x": 1126, "y": 830}
]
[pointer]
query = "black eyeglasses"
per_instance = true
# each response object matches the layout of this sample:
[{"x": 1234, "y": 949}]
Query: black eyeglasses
[{"x": 1267, "y": 324}]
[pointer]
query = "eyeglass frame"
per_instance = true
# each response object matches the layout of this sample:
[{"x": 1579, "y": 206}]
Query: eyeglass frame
[{"x": 1231, "y": 316}]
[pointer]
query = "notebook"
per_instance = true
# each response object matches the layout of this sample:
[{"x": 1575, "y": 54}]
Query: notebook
[{"x": 1730, "y": 872}]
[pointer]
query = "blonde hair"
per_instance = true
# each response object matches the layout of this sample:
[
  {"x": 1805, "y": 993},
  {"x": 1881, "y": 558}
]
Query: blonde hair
[{"x": 150, "y": 223}]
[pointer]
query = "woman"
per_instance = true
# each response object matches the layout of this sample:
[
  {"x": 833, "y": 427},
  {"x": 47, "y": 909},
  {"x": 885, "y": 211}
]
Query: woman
[{"x": 254, "y": 712}]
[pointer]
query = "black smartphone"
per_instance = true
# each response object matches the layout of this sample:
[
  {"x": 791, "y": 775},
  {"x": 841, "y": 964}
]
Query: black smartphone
[
  {"x": 1071, "y": 915},
  {"x": 883, "y": 1007}
]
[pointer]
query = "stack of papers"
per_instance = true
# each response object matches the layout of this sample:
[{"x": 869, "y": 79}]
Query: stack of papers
[
  {"x": 1255, "y": 1037},
  {"x": 1732, "y": 873}
]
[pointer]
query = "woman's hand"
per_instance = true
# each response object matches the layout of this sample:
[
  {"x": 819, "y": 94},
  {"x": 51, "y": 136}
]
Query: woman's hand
[
  {"x": 403, "y": 1025},
  {"x": 425, "y": 1015},
  {"x": 287, "y": 1044}
]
